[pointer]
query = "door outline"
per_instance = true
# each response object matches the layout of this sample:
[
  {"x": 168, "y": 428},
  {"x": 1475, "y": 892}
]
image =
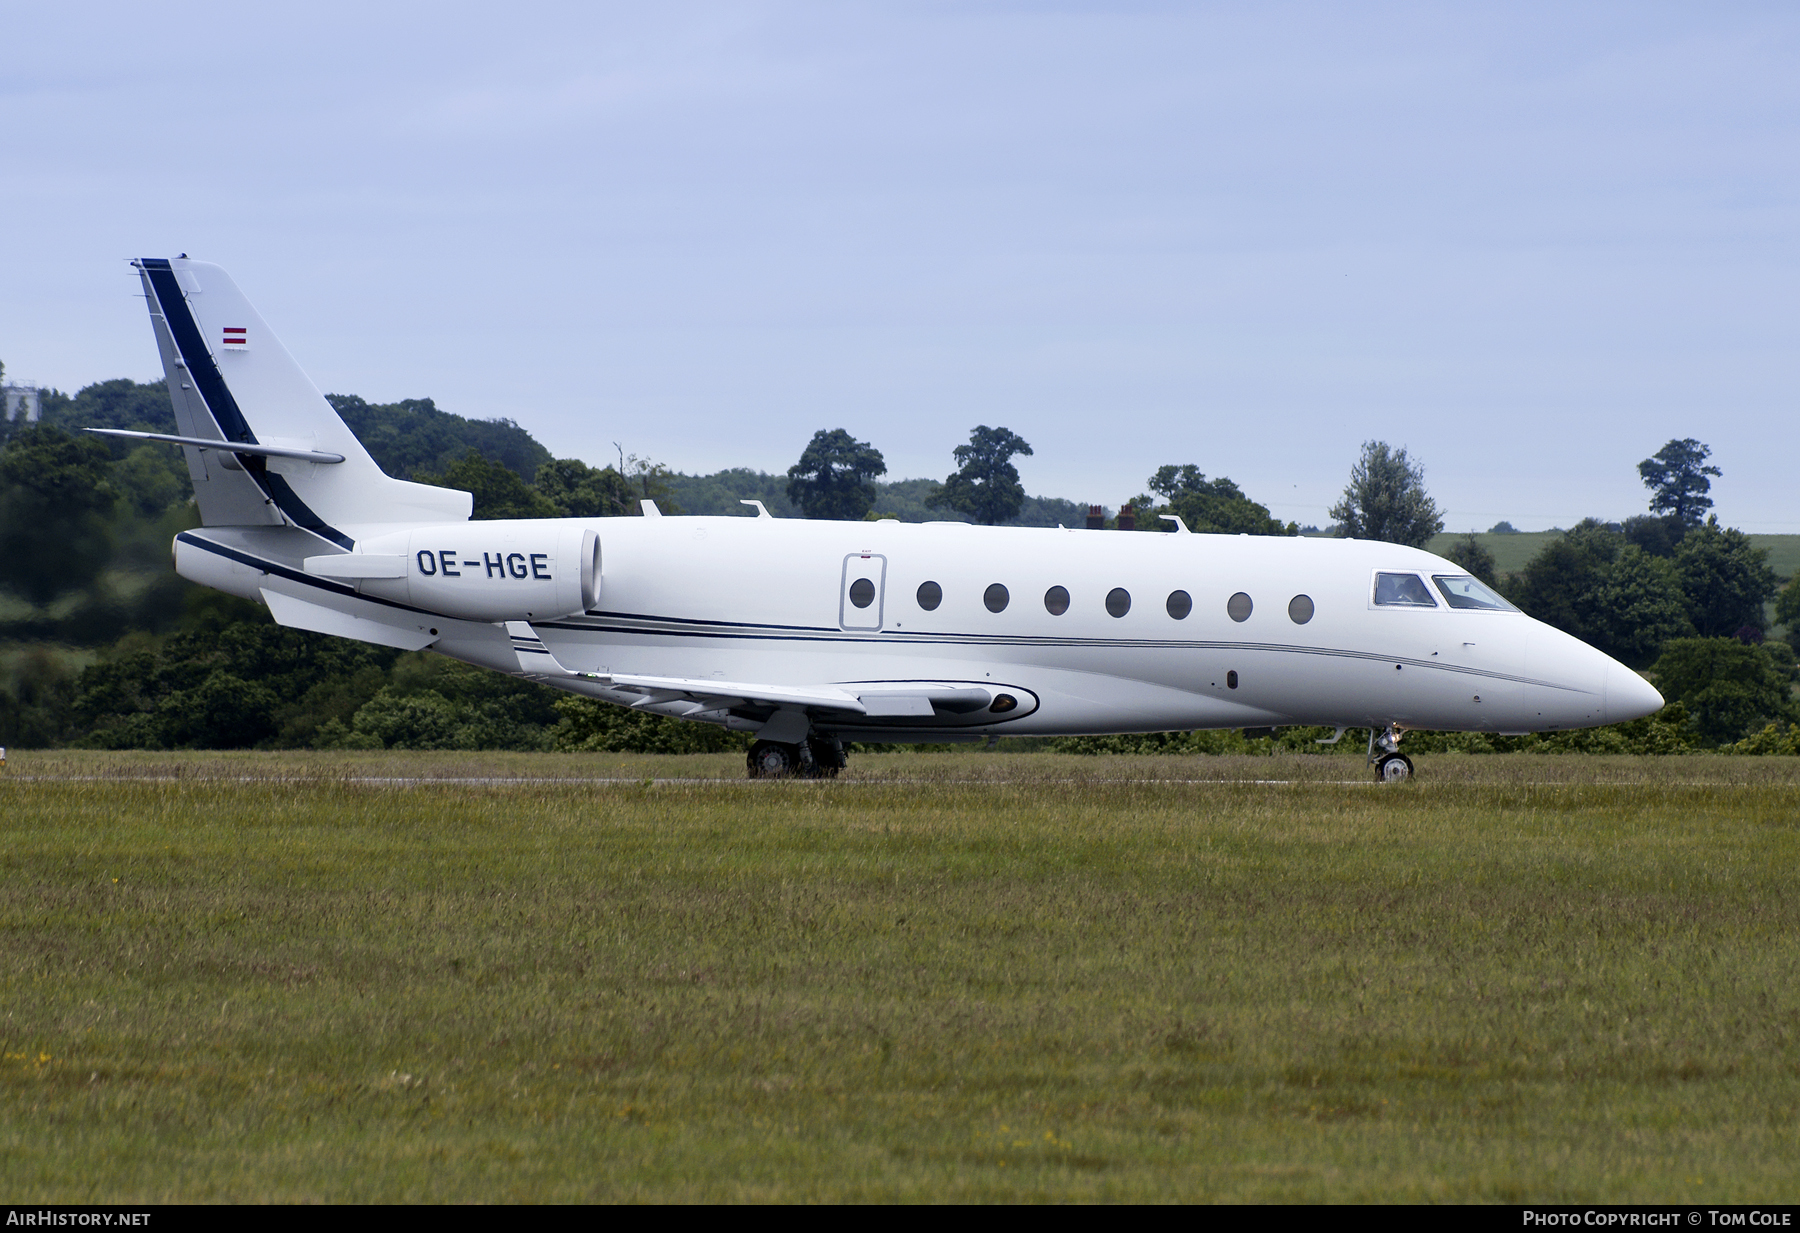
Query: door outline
[{"x": 849, "y": 615}]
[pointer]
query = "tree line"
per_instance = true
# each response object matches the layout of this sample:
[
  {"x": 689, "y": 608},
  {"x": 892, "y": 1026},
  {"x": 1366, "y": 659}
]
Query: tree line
[
  {"x": 85, "y": 524},
  {"x": 1669, "y": 591}
]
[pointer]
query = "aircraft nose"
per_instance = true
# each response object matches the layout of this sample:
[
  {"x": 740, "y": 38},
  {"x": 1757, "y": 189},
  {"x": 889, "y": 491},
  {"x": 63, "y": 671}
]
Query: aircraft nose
[{"x": 1628, "y": 695}]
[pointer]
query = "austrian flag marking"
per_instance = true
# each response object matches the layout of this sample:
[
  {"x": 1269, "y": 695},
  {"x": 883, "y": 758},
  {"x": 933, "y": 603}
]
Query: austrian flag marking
[{"x": 237, "y": 336}]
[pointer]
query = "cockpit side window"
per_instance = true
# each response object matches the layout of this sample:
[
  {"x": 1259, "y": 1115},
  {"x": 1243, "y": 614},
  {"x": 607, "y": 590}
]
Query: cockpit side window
[
  {"x": 1463, "y": 591},
  {"x": 1402, "y": 591}
]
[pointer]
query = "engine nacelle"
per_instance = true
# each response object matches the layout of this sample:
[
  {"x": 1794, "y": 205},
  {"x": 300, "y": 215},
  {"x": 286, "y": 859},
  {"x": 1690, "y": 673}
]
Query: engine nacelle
[{"x": 515, "y": 570}]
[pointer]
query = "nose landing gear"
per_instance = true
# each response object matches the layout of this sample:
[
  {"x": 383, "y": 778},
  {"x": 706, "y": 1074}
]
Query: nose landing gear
[{"x": 1391, "y": 766}]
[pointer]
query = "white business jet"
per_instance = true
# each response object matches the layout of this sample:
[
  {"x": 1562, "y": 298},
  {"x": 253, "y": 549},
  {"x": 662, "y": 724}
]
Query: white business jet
[{"x": 809, "y": 634}]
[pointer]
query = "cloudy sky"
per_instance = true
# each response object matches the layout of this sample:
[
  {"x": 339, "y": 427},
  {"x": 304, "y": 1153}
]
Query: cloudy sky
[{"x": 1530, "y": 243}]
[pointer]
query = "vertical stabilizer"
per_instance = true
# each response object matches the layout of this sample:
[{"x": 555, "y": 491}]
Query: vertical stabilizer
[{"x": 231, "y": 380}]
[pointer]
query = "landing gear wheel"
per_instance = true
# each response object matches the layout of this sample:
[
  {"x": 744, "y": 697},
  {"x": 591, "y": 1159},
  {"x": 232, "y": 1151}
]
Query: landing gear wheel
[
  {"x": 772, "y": 760},
  {"x": 827, "y": 757},
  {"x": 1394, "y": 768}
]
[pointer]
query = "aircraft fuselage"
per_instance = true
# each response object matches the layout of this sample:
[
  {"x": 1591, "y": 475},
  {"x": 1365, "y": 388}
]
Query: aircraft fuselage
[{"x": 1096, "y": 632}]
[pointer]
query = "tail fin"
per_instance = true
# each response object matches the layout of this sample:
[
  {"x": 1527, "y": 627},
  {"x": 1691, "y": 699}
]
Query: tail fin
[{"x": 230, "y": 380}]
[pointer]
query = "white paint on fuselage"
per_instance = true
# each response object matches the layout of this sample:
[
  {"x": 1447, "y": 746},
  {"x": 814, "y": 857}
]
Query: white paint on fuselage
[{"x": 760, "y": 599}]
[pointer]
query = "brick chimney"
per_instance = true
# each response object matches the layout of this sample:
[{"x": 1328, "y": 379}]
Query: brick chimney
[
  {"x": 1096, "y": 518},
  {"x": 1127, "y": 518}
]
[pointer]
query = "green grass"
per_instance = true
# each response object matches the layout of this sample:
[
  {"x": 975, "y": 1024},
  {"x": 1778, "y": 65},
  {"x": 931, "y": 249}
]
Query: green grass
[
  {"x": 1511, "y": 552},
  {"x": 946, "y": 977}
]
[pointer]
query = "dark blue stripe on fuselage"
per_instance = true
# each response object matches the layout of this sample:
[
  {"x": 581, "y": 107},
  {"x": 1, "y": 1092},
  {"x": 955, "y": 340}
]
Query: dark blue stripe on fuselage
[
  {"x": 737, "y": 631},
  {"x": 210, "y": 383},
  {"x": 745, "y": 632},
  {"x": 279, "y": 570}
]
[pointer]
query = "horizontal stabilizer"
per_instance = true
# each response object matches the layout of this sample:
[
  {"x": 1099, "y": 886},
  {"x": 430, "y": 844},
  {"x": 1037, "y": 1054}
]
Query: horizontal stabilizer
[
  {"x": 300, "y": 614},
  {"x": 234, "y": 447}
]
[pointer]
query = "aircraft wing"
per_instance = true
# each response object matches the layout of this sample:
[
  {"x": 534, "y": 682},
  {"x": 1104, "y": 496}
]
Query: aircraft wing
[{"x": 536, "y": 659}]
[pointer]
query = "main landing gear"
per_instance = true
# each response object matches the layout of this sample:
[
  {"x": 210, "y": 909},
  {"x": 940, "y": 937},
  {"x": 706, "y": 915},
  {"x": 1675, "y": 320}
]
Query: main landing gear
[
  {"x": 817, "y": 757},
  {"x": 1391, "y": 766}
]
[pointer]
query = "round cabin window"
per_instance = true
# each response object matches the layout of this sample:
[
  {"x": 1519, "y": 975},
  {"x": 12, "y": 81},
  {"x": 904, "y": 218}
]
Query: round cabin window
[
  {"x": 1118, "y": 602},
  {"x": 1056, "y": 601},
  {"x": 862, "y": 592},
  {"x": 1238, "y": 607},
  {"x": 995, "y": 597},
  {"x": 930, "y": 595},
  {"x": 1300, "y": 609},
  {"x": 1180, "y": 604}
]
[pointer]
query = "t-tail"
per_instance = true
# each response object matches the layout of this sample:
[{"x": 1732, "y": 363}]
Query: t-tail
[{"x": 262, "y": 444}]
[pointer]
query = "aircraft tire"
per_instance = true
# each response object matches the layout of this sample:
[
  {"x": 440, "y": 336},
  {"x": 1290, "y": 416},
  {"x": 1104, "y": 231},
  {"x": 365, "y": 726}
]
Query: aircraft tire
[
  {"x": 772, "y": 760},
  {"x": 1394, "y": 768},
  {"x": 827, "y": 758}
]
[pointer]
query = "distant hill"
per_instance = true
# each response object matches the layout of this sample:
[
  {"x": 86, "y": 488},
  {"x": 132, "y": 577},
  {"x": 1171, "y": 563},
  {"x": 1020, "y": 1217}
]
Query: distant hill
[
  {"x": 412, "y": 435},
  {"x": 1512, "y": 550},
  {"x": 719, "y": 494},
  {"x": 122, "y": 403},
  {"x": 403, "y": 437}
]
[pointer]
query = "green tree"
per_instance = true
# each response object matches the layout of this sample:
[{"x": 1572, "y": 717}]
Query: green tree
[
  {"x": 220, "y": 685},
  {"x": 1787, "y": 610},
  {"x": 412, "y": 436},
  {"x": 720, "y": 493},
  {"x": 1386, "y": 499},
  {"x": 1473, "y": 556},
  {"x": 1677, "y": 479},
  {"x": 1726, "y": 581},
  {"x": 652, "y": 481},
  {"x": 1556, "y": 586},
  {"x": 1656, "y": 536},
  {"x": 54, "y": 502},
  {"x": 1610, "y": 593},
  {"x": 120, "y": 403},
  {"x": 498, "y": 492},
  {"x": 985, "y": 487},
  {"x": 1215, "y": 506},
  {"x": 591, "y": 726},
  {"x": 1636, "y": 607},
  {"x": 1730, "y": 688},
  {"x": 151, "y": 478},
  {"x": 580, "y": 491},
  {"x": 37, "y": 692},
  {"x": 833, "y": 477}
]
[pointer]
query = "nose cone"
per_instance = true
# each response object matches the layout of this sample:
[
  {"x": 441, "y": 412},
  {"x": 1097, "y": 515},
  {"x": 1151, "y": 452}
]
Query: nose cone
[{"x": 1628, "y": 695}]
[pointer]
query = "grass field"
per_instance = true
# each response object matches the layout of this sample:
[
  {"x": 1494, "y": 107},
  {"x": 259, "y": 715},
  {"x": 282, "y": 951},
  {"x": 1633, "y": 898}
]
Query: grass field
[
  {"x": 945, "y": 977},
  {"x": 1511, "y": 552}
]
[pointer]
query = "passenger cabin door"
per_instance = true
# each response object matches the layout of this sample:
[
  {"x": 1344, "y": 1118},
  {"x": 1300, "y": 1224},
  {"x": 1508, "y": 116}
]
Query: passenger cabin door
[{"x": 862, "y": 590}]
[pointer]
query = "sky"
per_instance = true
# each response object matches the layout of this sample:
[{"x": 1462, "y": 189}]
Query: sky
[{"x": 1529, "y": 243}]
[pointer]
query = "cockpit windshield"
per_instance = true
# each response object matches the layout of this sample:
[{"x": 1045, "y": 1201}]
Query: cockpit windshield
[
  {"x": 1464, "y": 592},
  {"x": 1402, "y": 591}
]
